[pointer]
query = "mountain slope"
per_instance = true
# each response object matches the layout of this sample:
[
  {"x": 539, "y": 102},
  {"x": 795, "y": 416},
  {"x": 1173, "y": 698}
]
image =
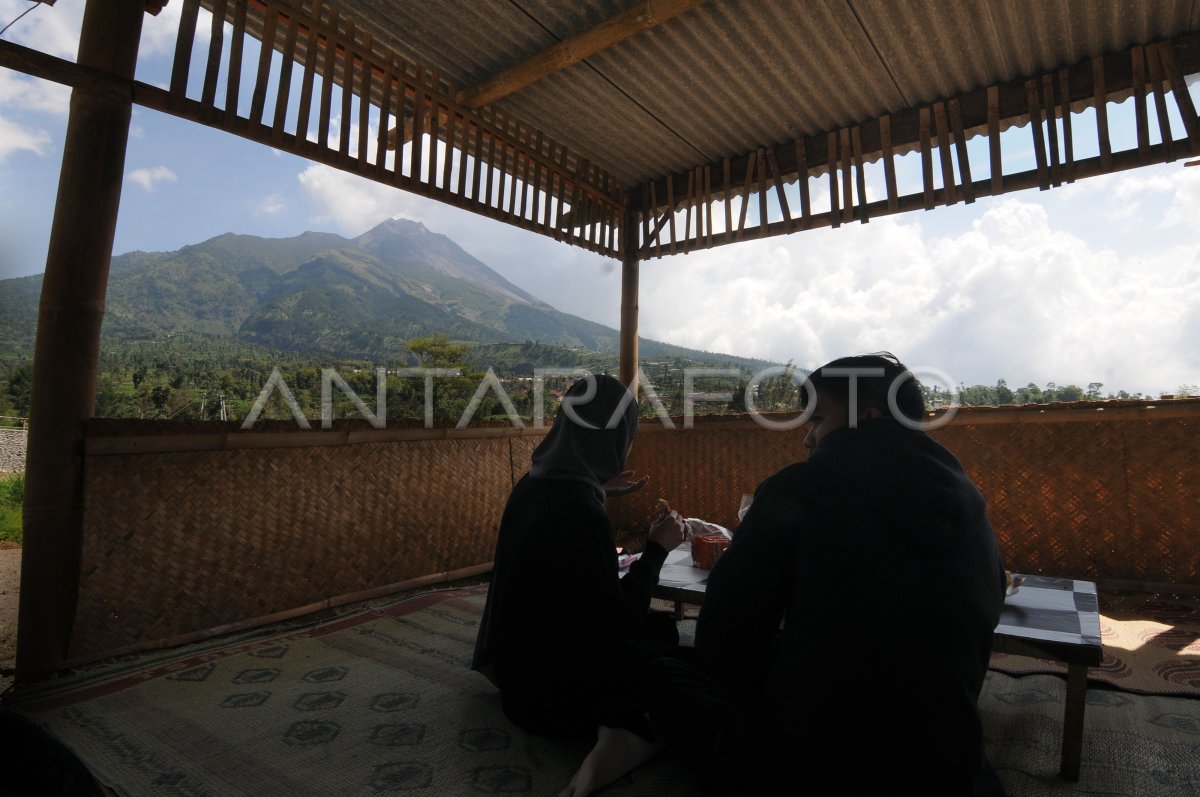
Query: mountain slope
[{"x": 323, "y": 294}]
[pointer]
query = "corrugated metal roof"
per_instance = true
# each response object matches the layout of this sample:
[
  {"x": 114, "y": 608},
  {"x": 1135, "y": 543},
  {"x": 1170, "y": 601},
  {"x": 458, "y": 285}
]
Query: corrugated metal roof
[{"x": 730, "y": 76}]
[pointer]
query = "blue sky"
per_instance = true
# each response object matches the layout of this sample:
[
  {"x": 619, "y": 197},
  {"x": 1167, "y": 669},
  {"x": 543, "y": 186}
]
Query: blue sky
[{"x": 1095, "y": 282}]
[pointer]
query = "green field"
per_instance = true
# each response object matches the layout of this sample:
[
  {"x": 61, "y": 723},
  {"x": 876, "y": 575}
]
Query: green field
[{"x": 12, "y": 490}]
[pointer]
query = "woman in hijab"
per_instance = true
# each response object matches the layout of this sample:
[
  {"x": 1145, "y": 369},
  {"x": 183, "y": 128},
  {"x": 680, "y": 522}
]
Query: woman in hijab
[{"x": 562, "y": 636}]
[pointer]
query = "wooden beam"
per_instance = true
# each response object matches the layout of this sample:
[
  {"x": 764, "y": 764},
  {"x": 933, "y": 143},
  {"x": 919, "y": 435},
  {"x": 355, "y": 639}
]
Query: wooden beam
[
  {"x": 66, "y": 354},
  {"x": 643, "y": 16}
]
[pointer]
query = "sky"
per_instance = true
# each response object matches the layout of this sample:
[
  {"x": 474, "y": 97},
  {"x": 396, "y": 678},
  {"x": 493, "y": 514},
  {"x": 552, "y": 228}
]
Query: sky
[{"x": 1097, "y": 281}]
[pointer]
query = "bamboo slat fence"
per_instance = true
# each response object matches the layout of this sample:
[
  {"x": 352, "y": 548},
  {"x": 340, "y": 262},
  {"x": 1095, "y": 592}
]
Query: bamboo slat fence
[{"x": 195, "y": 527}]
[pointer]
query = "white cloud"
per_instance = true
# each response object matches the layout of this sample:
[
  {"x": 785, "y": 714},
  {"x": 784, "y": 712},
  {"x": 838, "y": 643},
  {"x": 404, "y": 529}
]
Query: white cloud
[
  {"x": 272, "y": 205},
  {"x": 159, "y": 31},
  {"x": 1012, "y": 298},
  {"x": 20, "y": 92},
  {"x": 353, "y": 204},
  {"x": 16, "y": 138},
  {"x": 51, "y": 29},
  {"x": 149, "y": 179}
]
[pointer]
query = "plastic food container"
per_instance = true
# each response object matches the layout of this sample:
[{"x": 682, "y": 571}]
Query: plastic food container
[{"x": 707, "y": 549}]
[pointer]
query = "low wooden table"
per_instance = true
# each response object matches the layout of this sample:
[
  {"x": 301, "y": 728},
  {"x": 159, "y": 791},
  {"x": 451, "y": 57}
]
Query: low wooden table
[{"x": 1047, "y": 618}]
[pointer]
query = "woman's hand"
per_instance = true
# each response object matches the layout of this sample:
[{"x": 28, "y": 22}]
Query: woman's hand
[
  {"x": 668, "y": 530},
  {"x": 624, "y": 483}
]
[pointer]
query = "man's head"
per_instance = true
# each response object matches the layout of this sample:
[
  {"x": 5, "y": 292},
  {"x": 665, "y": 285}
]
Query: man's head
[{"x": 850, "y": 389}]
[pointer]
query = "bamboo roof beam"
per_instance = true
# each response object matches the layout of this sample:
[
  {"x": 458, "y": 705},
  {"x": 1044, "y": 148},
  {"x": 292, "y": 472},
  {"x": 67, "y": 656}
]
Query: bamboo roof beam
[{"x": 615, "y": 29}]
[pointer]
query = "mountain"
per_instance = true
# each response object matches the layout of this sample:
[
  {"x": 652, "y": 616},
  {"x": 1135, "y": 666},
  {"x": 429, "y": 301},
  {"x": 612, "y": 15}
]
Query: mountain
[{"x": 324, "y": 294}]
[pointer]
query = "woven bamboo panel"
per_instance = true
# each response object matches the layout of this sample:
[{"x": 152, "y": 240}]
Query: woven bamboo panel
[
  {"x": 704, "y": 471},
  {"x": 180, "y": 542},
  {"x": 1056, "y": 492},
  {"x": 1070, "y": 491},
  {"x": 1163, "y": 465}
]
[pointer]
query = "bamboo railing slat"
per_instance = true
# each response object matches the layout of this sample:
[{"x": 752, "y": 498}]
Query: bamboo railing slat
[
  {"x": 1100, "y": 100},
  {"x": 847, "y": 176},
  {"x": 949, "y": 195},
  {"x": 780, "y": 194},
  {"x": 385, "y": 111},
  {"x": 477, "y": 166},
  {"x": 658, "y": 227},
  {"x": 324, "y": 117},
  {"x": 831, "y": 160},
  {"x": 311, "y": 47},
  {"x": 418, "y": 139},
  {"x": 708, "y": 203},
  {"x": 1064, "y": 96},
  {"x": 283, "y": 92},
  {"x": 1183, "y": 99},
  {"x": 183, "y": 47},
  {"x": 1138, "y": 56},
  {"x": 960, "y": 149},
  {"x": 687, "y": 213},
  {"x": 671, "y": 214},
  {"x": 727, "y": 202},
  {"x": 889, "y": 161},
  {"x": 802, "y": 183},
  {"x": 347, "y": 94},
  {"x": 216, "y": 43},
  {"x": 745, "y": 206},
  {"x": 1050, "y": 105},
  {"x": 763, "y": 213},
  {"x": 994, "y": 154},
  {"x": 435, "y": 133},
  {"x": 258, "y": 98},
  {"x": 926, "y": 158},
  {"x": 1035, "y": 128},
  {"x": 491, "y": 162},
  {"x": 540, "y": 174},
  {"x": 234, "y": 79},
  {"x": 860, "y": 171},
  {"x": 364, "y": 102},
  {"x": 1154, "y": 65}
]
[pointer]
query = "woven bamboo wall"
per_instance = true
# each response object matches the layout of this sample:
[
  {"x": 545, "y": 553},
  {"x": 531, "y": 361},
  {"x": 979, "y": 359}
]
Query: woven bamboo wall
[
  {"x": 1111, "y": 493},
  {"x": 193, "y": 527},
  {"x": 177, "y": 542}
]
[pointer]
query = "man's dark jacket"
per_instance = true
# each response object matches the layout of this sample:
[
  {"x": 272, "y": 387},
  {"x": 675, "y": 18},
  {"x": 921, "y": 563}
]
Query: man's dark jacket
[{"x": 877, "y": 557}]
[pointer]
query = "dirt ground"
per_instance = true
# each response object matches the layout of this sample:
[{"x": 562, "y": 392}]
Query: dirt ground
[{"x": 10, "y": 588}]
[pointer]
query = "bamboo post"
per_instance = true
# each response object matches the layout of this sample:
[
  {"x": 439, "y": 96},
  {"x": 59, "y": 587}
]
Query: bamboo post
[
  {"x": 68, "y": 339},
  {"x": 629, "y": 297}
]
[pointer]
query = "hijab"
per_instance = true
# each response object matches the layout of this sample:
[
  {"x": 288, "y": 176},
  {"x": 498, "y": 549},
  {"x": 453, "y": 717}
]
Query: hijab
[{"x": 591, "y": 436}]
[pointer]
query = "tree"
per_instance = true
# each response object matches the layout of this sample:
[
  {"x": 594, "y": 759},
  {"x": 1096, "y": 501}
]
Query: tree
[
  {"x": 437, "y": 351},
  {"x": 1030, "y": 394},
  {"x": 20, "y": 387},
  {"x": 160, "y": 396},
  {"x": 1070, "y": 393},
  {"x": 1093, "y": 391},
  {"x": 1003, "y": 394}
]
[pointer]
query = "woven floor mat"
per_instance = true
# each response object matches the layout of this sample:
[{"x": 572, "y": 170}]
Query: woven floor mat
[{"x": 383, "y": 700}]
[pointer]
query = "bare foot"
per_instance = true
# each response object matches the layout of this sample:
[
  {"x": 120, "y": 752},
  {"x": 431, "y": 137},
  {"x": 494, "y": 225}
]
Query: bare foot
[{"x": 617, "y": 752}]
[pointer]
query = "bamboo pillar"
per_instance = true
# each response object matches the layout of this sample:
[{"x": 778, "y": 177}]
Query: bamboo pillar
[
  {"x": 630, "y": 266},
  {"x": 68, "y": 337}
]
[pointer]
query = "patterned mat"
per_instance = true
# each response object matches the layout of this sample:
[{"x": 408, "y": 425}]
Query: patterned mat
[
  {"x": 382, "y": 701},
  {"x": 1151, "y": 645}
]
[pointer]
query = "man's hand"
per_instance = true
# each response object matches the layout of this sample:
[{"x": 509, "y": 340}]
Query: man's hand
[
  {"x": 668, "y": 530},
  {"x": 624, "y": 483}
]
